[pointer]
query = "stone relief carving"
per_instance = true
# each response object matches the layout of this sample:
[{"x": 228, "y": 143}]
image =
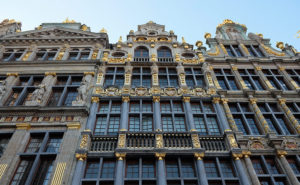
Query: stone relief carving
[
  {"x": 37, "y": 96},
  {"x": 83, "y": 91},
  {"x": 2, "y": 88}
]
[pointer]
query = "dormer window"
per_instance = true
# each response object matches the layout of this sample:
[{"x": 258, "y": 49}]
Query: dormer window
[
  {"x": 46, "y": 54},
  {"x": 233, "y": 51},
  {"x": 188, "y": 55},
  {"x": 118, "y": 54},
  {"x": 13, "y": 54},
  {"x": 79, "y": 54}
]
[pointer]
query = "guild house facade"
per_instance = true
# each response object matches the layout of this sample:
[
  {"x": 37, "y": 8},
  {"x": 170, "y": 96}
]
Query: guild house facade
[{"x": 150, "y": 109}]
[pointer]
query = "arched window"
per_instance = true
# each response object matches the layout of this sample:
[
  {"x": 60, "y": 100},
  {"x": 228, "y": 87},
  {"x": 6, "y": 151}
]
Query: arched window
[
  {"x": 141, "y": 52},
  {"x": 164, "y": 52}
]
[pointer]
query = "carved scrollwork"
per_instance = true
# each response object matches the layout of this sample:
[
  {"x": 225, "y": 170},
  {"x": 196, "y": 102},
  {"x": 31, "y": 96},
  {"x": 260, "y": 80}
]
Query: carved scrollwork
[
  {"x": 112, "y": 91},
  {"x": 84, "y": 142},
  {"x": 159, "y": 141}
]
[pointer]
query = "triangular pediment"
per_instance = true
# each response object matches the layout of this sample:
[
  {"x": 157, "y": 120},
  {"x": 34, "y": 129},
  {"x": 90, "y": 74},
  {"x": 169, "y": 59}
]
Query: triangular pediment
[{"x": 53, "y": 33}]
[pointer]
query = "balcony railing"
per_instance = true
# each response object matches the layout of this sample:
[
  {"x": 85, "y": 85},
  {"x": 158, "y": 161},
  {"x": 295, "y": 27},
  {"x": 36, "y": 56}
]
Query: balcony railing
[
  {"x": 103, "y": 144},
  {"x": 213, "y": 144},
  {"x": 177, "y": 141},
  {"x": 141, "y": 59},
  {"x": 140, "y": 140},
  {"x": 165, "y": 59}
]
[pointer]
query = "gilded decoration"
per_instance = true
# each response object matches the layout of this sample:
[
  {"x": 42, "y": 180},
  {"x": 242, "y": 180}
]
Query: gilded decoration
[
  {"x": 216, "y": 53},
  {"x": 190, "y": 61},
  {"x": 289, "y": 144},
  {"x": 141, "y": 91},
  {"x": 129, "y": 58},
  {"x": 156, "y": 98},
  {"x": 125, "y": 98},
  {"x": 170, "y": 91},
  {"x": 211, "y": 91},
  {"x": 209, "y": 79},
  {"x": 23, "y": 126},
  {"x": 160, "y": 156},
  {"x": 280, "y": 45},
  {"x": 112, "y": 91},
  {"x": 224, "y": 50},
  {"x": 99, "y": 78},
  {"x": 50, "y": 73},
  {"x": 177, "y": 57},
  {"x": 281, "y": 153},
  {"x": 105, "y": 56},
  {"x": 95, "y": 99},
  {"x": 27, "y": 55},
  {"x": 216, "y": 100},
  {"x": 153, "y": 58},
  {"x": 81, "y": 157},
  {"x": 201, "y": 58},
  {"x": 59, "y": 173},
  {"x": 182, "y": 79},
  {"x": 120, "y": 156},
  {"x": 207, "y": 35},
  {"x": 256, "y": 144},
  {"x": 116, "y": 60},
  {"x": 2, "y": 169},
  {"x": 89, "y": 73},
  {"x": 74, "y": 125},
  {"x": 186, "y": 99},
  {"x": 195, "y": 140},
  {"x": 258, "y": 68},
  {"x": 245, "y": 49},
  {"x": 199, "y": 155},
  {"x": 232, "y": 141},
  {"x": 155, "y": 90},
  {"x": 84, "y": 141},
  {"x": 155, "y": 79},
  {"x": 228, "y": 21},
  {"x": 127, "y": 79},
  {"x": 237, "y": 156},
  {"x": 12, "y": 74},
  {"x": 246, "y": 153},
  {"x": 270, "y": 51},
  {"x": 159, "y": 140},
  {"x": 199, "y": 92},
  {"x": 122, "y": 141}
]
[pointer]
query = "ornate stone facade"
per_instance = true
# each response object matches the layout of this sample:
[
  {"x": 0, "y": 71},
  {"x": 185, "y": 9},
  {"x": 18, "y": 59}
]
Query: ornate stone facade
[{"x": 76, "y": 109}]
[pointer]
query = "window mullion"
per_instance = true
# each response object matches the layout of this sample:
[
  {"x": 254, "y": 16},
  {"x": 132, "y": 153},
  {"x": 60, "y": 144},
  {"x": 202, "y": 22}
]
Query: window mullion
[
  {"x": 100, "y": 168},
  {"x": 33, "y": 169},
  {"x": 44, "y": 142},
  {"x": 62, "y": 96}
]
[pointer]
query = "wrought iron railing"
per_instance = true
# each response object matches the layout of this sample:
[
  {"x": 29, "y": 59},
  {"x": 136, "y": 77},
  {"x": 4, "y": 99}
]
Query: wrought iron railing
[
  {"x": 141, "y": 59},
  {"x": 165, "y": 59},
  {"x": 172, "y": 140},
  {"x": 213, "y": 144},
  {"x": 140, "y": 140}
]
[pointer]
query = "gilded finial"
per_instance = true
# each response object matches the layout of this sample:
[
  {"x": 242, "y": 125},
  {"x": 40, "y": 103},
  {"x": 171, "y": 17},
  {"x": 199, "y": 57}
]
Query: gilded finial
[
  {"x": 183, "y": 40},
  {"x": 298, "y": 32},
  {"x": 103, "y": 30},
  {"x": 207, "y": 35},
  {"x": 280, "y": 45},
  {"x": 131, "y": 31},
  {"x": 120, "y": 39},
  {"x": 84, "y": 27},
  {"x": 199, "y": 43},
  {"x": 150, "y": 22},
  {"x": 260, "y": 35},
  {"x": 171, "y": 32},
  {"x": 68, "y": 21}
]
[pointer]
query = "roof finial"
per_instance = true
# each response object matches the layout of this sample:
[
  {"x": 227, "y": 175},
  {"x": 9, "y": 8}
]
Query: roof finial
[
  {"x": 183, "y": 40},
  {"x": 103, "y": 30},
  {"x": 120, "y": 39}
]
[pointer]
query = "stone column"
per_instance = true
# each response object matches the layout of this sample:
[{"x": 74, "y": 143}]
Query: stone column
[
  {"x": 259, "y": 115},
  {"x": 220, "y": 113},
  {"x": 264, "y": 78},
  {"x": 11, "y": 80},
  {"x": 65, "y": 162},
  {"x": 90, "y": 125},
  {"x": 77, "y": 175},
  {"x": 124, "y": 115},
  {"x": 119, "y": 174},
  {"x": 157, "y": 117},
  {"x": 250, "y": 168},
  {"x": 240, "y": 169},
  {"x": 289, "y": 171},
  {"x": 289, "y": 114},
  {"x": 63, "y": 53},
  {"x": 33, "y": 49},
  {"x": 10, "y": 158},
  {"x": 201, "y": 169},
  {"x": 189, "y": 113},
  {"x": 239, "y": 78},
  {"x": 289, "y": 79},
  {"x": 161, "y": 172},
  {"x": 229, "y": 115}
]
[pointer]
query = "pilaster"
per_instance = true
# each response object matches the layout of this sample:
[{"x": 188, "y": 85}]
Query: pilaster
[
  {"x": 239, "y": 78},
  {"x": 220, "y": 113},
  {"x": 289, "y": 114},
  {"x": 202, "y": 179},
  {"x": 259, "y": 115},
  {"x": 124, "y": 115},
  {"x": 240, "y": 168},
  {"x": 157, "y": 116},
  {"x": 119, "y": 174},
  {"x": 229, "y": 115},
  {"x": 189, "y": 113},
  {"x": 250, "y": 168},
  {"x": 264, "y": 78},
  {"x": 161, "y": 172}
]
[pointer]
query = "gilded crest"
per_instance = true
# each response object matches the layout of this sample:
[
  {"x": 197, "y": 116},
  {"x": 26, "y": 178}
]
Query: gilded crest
[
  {"x": 170, "y": 91},
  {"x": 112, "y": 91},
  {"x": 141, "y": 91}
]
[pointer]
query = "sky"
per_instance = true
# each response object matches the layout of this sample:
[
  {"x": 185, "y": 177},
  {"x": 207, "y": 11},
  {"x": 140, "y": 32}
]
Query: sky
[{"x": 276, "y": 19}]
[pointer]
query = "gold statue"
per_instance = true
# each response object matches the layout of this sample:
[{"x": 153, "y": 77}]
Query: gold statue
[
  {"x": 183, "y": 40},
  {"x": 120, "y": 39}
]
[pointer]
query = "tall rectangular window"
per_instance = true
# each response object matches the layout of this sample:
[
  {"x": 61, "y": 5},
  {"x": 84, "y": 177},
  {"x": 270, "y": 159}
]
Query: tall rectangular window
[
  {"x": 114, "y": 76},
  {"x": 108, "y": 118},
  {"x": 172, "y": 116},
  {"x": 141, "y": 76},
  {"x": 140, "y": 116},
  {"x": 267, "y": 169},
  {"x": 276, "y": 119},
  {"x": 4, "y": 139},
  {"x": 205, "y": 118},
  {"x": 45, "y": 170},
  {"x": 244, "y": 118},
  {"x": 194, "y": 77},
  {"x": 168, "y": 77},
  {"x": 64, "y": 92},
  {"x": 226, "y": 79},
  {"x": 294, "y": 74},
  {"x": 99, "y": 171},
  {"x": 251, "y": 79},
  {"x": 220, "y": 171},
  {"x": 276, "y": 79}
]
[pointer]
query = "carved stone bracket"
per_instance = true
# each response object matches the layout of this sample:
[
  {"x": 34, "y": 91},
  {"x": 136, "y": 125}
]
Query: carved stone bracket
[
  {"x": 160, "y": 156},
  {"x": 120, "y": 156},
  {"x": 199, "y": 155}
]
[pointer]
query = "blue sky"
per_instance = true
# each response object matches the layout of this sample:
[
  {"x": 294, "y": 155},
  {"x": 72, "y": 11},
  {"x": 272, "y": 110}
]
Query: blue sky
[{"x": 275, "y": 19}]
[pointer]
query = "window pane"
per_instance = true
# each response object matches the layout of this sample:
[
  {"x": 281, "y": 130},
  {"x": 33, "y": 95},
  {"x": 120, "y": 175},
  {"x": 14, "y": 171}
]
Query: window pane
[
  {"x": 71, "y": 96},
  {"x": 167, "y": 123},
  {"x": 172, "y": 169},
  {"x": 187, "y": 168},
  {"x": 108, "y": 169},
  {"x": 227, "y": 169},
  {"x": 22, "y": 172},
  {"x": 35, "y": 144},
  {"x": 132, "y": 169},
  {"x": 44, "y": 171},
  {"x": 92, "y": 168},
  {"x": 211, "y": 169},
  {"x": 148, "y": 170},
  {"x": 53, "y": 144}
]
